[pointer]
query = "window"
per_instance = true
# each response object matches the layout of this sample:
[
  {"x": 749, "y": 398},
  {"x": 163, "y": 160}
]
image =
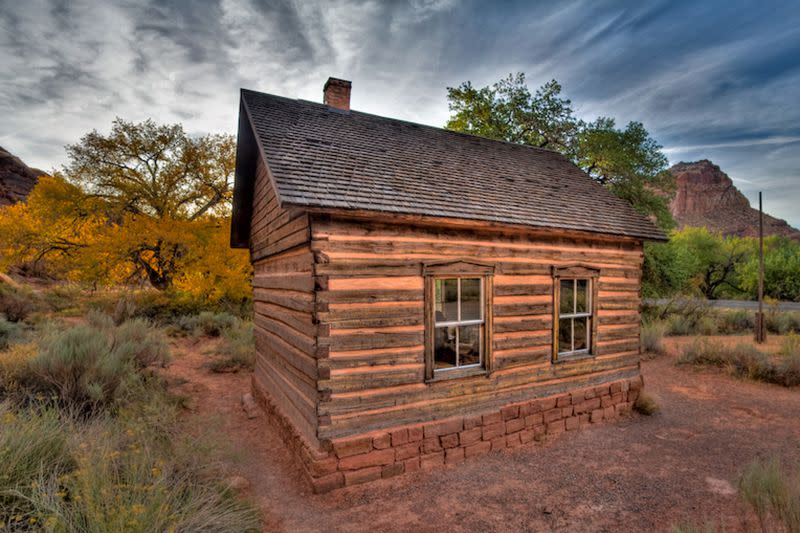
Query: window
[
  {"x": 458, "y": 323},
  {"x": 458, "y": 319},
  {"x": 574, "y": 328},
  {"x": 574, "y": 317}
]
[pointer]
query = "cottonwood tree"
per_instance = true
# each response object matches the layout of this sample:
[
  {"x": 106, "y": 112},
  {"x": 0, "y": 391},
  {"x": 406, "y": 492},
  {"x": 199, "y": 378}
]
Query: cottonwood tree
[
  {"x": 508, "y": 111},
  {"x": 156, "y": 181},
  {"x": 628, "y": 161},
  {"x": 156, "y": 170}
]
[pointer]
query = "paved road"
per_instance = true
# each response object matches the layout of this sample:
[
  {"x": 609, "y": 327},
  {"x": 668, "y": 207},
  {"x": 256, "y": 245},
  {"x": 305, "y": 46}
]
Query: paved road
[{"x": 735, "y": 304}]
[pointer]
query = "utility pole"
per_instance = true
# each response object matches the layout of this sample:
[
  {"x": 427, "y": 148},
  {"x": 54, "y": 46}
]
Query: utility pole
[{"x": 761, "y": 326}]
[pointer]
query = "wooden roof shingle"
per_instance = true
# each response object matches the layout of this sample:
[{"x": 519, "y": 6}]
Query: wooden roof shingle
[{"x": 322, "y": 157}]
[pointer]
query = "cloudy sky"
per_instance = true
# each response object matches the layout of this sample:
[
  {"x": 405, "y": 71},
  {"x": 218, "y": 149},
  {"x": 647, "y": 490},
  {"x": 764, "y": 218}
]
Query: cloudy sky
[{"x": 718, "y": 79}]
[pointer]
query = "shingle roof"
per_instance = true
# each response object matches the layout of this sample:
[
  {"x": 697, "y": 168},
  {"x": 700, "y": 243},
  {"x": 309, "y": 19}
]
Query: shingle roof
[{"x": 324, "y": 157}]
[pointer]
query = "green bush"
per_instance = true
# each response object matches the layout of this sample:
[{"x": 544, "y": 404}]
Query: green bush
[
  {"x": 237, "y": 349},
  {"x": 206, "y": 323},
  {"x": 652, "y": 337},
  {"x": 94, "y": 366},
  {"x": 133, "y": 472},
  {"x": 33, "y": 447},
  {"x": 16, "y": 305},
  {"x": 773, "y": 493},
  {"x": 782, "y": 322},
  {"x": 743, "y": 360},
  {"x": 124, "y": 481},
  {"x": 736, "y": 321},
  {"x": 9, "y": 332}
]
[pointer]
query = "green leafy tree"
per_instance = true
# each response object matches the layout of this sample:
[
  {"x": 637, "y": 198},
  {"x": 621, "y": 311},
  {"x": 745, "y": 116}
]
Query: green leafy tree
[
  {"x": 781, "y": 269},
  {"x": 711, "y": 260},
  {"x": 627, "y": 161},
  {"x": 156, "y": 170},
  {"x": 508, "y": 111},
  {"x": 630, "y": 163}
]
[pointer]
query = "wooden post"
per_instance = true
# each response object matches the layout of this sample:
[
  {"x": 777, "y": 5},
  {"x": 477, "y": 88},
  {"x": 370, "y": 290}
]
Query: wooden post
[{"x": 761, "y": 326}]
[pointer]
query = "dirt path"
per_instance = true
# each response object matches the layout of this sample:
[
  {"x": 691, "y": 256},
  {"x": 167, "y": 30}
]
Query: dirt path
[{"x": 642, "y": 474}]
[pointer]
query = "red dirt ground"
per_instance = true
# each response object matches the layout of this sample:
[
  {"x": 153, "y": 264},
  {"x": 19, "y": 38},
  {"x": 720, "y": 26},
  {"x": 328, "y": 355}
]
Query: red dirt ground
[{"x": 678, "y": 467}]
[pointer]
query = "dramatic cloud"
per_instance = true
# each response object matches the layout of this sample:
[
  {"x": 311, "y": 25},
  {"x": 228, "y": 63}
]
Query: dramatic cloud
[{"x": 715, "y": 80}]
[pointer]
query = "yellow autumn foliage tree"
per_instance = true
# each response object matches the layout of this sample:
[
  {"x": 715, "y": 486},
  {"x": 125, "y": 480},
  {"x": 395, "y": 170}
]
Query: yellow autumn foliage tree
[{"x": 144, "y": 205}]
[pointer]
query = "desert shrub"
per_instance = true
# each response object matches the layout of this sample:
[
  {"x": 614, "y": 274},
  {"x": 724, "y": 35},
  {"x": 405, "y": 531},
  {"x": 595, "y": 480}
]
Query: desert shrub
[
  {"x": 782, "y": 322},
  {"x": 16, "y": 305},
  {"x": 237, "y": 349},
  {"x": 32, "y": 446},
  {"x": 773, "y": 492},
  {"x": 789, "y": 363},
  {"x": 645, "y": 405},
  {"x": 63, "y": 297},
  {"x": 707, "y": 325},
  {"x": 744, "y": 360},
  {"x": 9, "y": 332},
  {"x": 12, "y": 364},
  {"x": 147, "y": 345},
  {"x": 680, "y": 325},
  {"x": 126, "y": 481},
  {"x": 206, "y": 323},
  {"x": 132, "y": 472},
  {"x": 741, "y": 360},
  {"x": 94, "y": 366},
  {"x": 124, "y": 309},
  {"x": 652, "y": 337},
  {"x": 167, "y": 308},
  {"x": 736, "y": 321}
]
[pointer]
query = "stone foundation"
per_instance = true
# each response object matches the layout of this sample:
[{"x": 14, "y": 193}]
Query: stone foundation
[{"x": 408, "y": 448}]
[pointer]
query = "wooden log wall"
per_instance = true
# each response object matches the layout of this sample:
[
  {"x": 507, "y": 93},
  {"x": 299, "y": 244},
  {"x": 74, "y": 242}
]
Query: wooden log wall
[
  {"x": 369, "y": 306},
  {"x": 283, "y": 293}
]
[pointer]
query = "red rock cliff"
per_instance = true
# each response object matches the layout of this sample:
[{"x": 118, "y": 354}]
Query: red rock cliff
[
  {"x": 706, "y": 196},
  {"x": 16, "y": 178}
]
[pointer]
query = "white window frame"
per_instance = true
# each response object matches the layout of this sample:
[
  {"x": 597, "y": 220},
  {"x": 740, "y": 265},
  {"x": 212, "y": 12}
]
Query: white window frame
[
  {"x": 571, "y": 316},
  {"x": 457, "y": 323}
]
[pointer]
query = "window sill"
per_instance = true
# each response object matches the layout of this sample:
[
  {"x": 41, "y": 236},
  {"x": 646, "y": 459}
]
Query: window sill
[
  {"x": 447, "y": 375},
  {"x": 577, "y": 357}
]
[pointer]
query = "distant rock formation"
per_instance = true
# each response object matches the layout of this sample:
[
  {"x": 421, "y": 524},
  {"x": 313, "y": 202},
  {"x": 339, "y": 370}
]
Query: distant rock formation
[
  {"x": 706, "y": 196},
  {"x": 16, "y": 178}
]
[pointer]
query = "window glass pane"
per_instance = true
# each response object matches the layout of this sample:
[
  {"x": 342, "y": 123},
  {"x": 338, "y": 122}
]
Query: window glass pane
[
  {"x": 581, "y": 291},
  {"x": 565, "y": 335},
  {"x": 471, "y": 299},
  {"x": 469, "y": 345},
  {"x": 444, "y": 347},
  {"x": 581, "y": 333},
  {"x": 446, "y": 309},
  {"x": 567, "y": 304}
]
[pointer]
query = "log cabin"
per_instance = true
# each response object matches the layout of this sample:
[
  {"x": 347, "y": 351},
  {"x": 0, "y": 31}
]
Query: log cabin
[{"x": 424, "y": 296}]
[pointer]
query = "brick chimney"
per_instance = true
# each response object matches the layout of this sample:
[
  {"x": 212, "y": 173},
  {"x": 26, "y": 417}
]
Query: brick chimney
[{"x": 336, "y": 93}]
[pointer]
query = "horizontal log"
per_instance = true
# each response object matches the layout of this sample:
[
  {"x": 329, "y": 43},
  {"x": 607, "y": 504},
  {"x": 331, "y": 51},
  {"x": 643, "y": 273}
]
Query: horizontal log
[
  {"x": 352, "y": 229},
  {"x": 270, "y": 343},
  {"x": 528, "y": 341},
  {"x": 366, "y": 296},
  {"x": 617, "y": 346},
  {"x": 372, "y": 341},
  {"x": 502, "y": 310},
  {"x": 523, "y": 290},
  {"x": 297, "y": 301},
  {"x": 445, "y": 250},
  {"x": 527, "y": 324},
  {"x": 296, "y": 282},
  {"x": 297, "y": 320},
  {"x": 415, "y": 319}
]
